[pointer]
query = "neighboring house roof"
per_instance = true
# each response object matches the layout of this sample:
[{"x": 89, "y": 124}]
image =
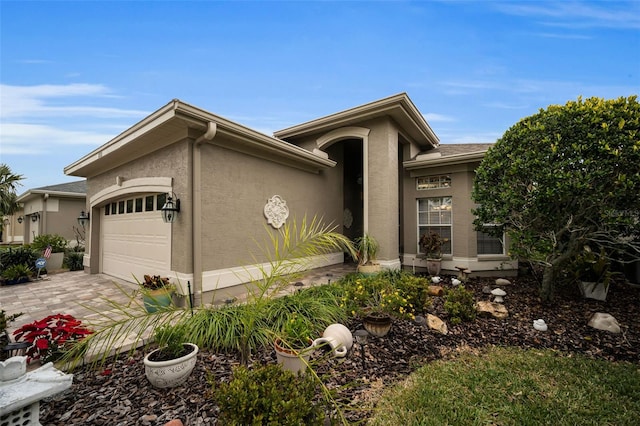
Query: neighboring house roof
[
  {"x": 446, "y": 154},
  {"x": 399, "y": 107},
  {"x": 77, "y": 189}
]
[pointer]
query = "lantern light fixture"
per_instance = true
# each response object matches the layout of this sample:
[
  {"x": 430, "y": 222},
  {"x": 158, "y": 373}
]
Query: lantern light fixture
[
  {"x": 20, "y": 219},
  {"x": 83, "y": 219},
  {"x": 171, "y": 208},
  {"x": 35, "y": 217}
]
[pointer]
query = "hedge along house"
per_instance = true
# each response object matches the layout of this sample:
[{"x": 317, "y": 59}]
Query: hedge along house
[{"x": 360, "y": 169}]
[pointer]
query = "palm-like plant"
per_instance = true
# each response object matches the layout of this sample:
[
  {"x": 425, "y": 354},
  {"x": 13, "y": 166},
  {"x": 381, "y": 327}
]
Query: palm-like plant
[
  {"x": 243, "y": 327},
  {"x": 8, "y": 185}
]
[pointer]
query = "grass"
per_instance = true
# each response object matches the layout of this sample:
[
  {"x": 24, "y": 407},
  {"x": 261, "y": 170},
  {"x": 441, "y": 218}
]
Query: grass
[{"x": 508, "y": 386}]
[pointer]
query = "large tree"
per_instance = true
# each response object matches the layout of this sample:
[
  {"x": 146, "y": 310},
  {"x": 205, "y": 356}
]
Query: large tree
[
  {"x": 563, "y": 179},
  {"x": 8, "y": 185}
]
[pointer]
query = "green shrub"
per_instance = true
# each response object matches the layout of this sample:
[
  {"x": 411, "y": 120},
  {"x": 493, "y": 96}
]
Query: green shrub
[
  {"x": 73, "y": 261},
  {"x": 58, "y": 243},
  {"x": 268, "y": 395},
  {"x": 460, "y": 304},
  {"x": 18, "y": 256},
  {"x": 16, "y": 272}
]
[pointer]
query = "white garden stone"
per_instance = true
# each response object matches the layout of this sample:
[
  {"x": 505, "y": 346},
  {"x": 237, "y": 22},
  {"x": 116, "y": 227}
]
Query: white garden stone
[{"x": 606, "y": 322}]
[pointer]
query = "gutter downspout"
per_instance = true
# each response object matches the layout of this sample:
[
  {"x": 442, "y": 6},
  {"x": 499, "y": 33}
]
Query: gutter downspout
[{"x": 196, "y": 219}]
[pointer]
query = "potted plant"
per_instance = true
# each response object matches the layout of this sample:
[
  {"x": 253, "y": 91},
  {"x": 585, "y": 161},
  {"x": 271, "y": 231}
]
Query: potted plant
[
  {"x": 377, "y": 301},
  {"x": 367, "y": 249},
  {"x": 157, "y": 292},
  {"x": 172, "y": 363},
  {"x": 58, "y": 246},
  {"x": 16, "y": 274},
  {"x": 293, "y": 344},
  {"x": 593, "y": 274},
  {"x": 431, "y": 245}
]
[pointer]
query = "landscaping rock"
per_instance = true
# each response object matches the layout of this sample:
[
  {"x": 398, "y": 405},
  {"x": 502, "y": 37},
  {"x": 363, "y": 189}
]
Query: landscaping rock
[
  {"x": 435, "y": 290},
  {"x": 486, "y": 289},
  {"x": 435, "y": 323},
  {"x": 502, "y": 281},
  {"x": 492, "y": 309},
  {"x": 606, "y": 322}
]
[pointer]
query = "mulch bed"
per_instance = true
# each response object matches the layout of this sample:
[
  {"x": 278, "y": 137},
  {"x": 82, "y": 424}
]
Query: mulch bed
[{"x": 120, "y": 394}]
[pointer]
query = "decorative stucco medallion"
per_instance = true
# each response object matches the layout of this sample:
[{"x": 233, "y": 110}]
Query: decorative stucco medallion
[
  {"x": 347, "y": 218},
  {"x": 276, "y": 211}
]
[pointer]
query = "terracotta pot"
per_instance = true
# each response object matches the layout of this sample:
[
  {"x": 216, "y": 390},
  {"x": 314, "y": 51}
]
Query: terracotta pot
[
  {"x": 377, "y": 325},
  {"x": 171, "y": 373}
]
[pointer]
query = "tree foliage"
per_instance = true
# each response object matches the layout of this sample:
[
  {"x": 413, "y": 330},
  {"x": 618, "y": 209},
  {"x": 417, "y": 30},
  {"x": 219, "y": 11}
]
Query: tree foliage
[
  {"x": 565, "y": 178},
  {"x": 8, "y": 185}
]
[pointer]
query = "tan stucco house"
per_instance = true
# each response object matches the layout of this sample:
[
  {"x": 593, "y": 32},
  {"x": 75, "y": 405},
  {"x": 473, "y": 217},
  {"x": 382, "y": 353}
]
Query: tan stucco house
[
  {"x": 376, "y": 168},
  {"x": 51, "y": 209}
]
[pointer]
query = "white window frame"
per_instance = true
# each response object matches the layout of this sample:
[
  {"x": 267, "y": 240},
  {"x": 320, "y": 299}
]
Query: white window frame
[
  {"x": 427, "y": 183},
  {"x": 439, "y": 214}
]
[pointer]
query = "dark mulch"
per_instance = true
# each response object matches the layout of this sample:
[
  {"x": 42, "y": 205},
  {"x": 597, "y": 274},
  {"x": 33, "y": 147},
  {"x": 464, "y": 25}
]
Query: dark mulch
[{"x": 120, "y": 394}]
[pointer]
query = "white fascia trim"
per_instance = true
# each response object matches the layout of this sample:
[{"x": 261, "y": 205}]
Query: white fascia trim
[
  {"x": 154, "y": 120},
  {"x": 470, "y": 157},
  {"x": 150, "y": 184},
  {"x": 255, "y": 139},
  {"x": 363, "y": 111},
  {"x": 229, "y": 277}
]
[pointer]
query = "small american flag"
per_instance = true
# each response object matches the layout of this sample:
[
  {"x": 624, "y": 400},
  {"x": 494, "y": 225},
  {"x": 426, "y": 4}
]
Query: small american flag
[{"x": 47, "y": 252}]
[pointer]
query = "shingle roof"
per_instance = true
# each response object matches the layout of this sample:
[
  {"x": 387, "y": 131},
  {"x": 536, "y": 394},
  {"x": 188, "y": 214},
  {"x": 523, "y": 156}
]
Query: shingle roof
[
  {"x": 79, "y": 187},
  {"x": 447, "y": 150}
]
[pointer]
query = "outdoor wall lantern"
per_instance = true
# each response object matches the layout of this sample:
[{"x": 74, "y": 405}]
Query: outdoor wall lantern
[
  {"x": 170, "y": 209},
  {"x": 35, "y": 217},
  {"x": 83, "y": 219},
  {"x": 20, "y": 219}
]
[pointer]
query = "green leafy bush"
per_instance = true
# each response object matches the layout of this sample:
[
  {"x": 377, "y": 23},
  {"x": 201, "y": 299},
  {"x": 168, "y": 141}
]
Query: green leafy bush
[
  {"x": 268, "y": 395},
  {"x": 16, "y": 272},
  {"x": 18, "y": 256},
  {"x": 57, "y": 242},
  {"x": 460, "y": 304},
  {"x": 395, "y": 293},
  {"x": 73, "y": 261}
]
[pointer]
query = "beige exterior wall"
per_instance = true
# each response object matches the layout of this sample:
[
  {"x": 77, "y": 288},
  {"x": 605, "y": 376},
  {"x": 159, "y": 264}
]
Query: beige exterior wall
[
  {"x": 61, "y": 216},
  {"x": 236, "y": 188},
  {"x": 464, "y": 237},
  {"x": 170, "y": 162}
]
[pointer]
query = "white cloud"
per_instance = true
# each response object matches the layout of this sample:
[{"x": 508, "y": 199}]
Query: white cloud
[
  {"x": 433, "y": 117},
  {"x": 31, "y": 101},
  {"x": 35, "y": 139},
  {"x": 41, "y": 119},
  {"x": 577, "y": 14}
]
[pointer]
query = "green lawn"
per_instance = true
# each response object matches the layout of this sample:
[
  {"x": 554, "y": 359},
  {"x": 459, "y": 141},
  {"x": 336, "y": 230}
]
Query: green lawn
[{"x": 507, "y": 386}]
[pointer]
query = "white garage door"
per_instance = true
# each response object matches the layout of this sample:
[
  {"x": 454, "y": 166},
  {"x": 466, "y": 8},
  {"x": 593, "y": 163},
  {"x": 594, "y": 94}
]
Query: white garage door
[{"x": 135, "y": 243}]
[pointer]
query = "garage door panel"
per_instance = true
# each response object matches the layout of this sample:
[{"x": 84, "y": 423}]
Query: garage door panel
[{"x": 135, "y": 244}]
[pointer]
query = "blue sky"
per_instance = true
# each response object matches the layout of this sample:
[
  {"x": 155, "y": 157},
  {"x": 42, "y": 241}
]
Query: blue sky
[{"x": 75, "y": 74}]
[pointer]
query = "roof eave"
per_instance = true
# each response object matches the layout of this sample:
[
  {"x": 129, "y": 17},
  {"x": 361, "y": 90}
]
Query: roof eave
[
  {"x": 396, "y": 106},
  {"x": 469, "y": 157}
]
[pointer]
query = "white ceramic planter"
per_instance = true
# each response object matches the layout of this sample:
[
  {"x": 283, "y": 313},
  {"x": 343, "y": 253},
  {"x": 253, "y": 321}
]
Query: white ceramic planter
[
  {"x": 338, "y": 338},
  {"x": 168, "y": 374},
  {"x": 294, "y": 361},
  {"x": 13, "y": 368}
]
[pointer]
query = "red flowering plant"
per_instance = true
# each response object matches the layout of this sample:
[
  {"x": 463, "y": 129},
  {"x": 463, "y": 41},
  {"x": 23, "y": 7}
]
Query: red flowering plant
[{"x": 49, "y": 336}]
